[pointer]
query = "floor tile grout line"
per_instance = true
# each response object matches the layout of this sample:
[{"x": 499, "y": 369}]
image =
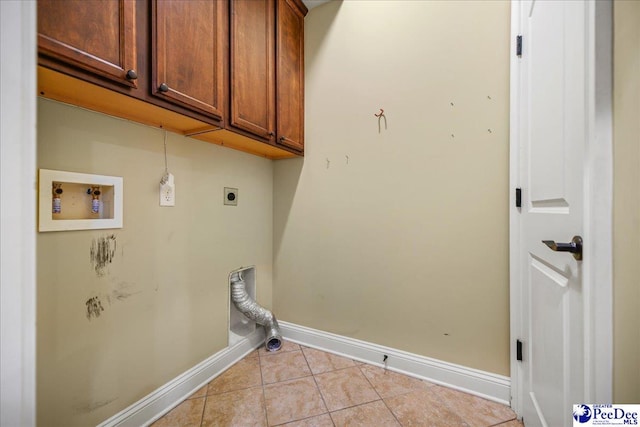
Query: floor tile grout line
[
  {"x": 440, "y": 399},
  {"x": 444, "y": 403},
  {"x": 331, "y": 354},
  {"x": 355, "y": 406},
  {"x": 370, "y": 383},
  {"x": 453, "y": 410},
  {"x": 261, "y": 376},
  {"x": 301, "y": 419},
  {"x": 335, "y": 369},
  {"x": 332, "y": 420},
  {"x": 374, "y": 389},
  {"x": 504, "y": 422},
  {"x": 293, "y": 378},
  {"x": 288, "y": 379},
  {"x": 230, "y": 391},
  {"x": 204, "y": 406},
  {"x": 264, "y": 397},
  {"x": 317, "y": 386}
]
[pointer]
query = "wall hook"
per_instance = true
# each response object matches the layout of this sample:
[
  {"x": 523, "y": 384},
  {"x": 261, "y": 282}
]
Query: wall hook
[
  {"x": 381, "y": 116},
  {"x": 328, "y": 162}
]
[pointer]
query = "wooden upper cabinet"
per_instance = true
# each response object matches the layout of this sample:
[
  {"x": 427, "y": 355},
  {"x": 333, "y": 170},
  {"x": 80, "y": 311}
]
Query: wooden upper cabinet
[
  {"x": 96, "y": 36},
  {"x": 252, "y": 60},
  {"x": 267, "y": 70},
  {"x": 290, "y": 73},
  {"x": 187, "y": 65},
  {"x": 189, "y": 40}
]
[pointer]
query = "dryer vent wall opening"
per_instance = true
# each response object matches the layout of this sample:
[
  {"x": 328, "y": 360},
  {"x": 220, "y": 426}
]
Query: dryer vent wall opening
[{"x": 253, "y": 311}]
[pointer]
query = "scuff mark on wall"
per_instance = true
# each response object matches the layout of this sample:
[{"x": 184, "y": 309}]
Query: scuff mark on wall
[
  {"x": 92, "y": 406},
  {"x": 94, "y": 307},
  {"x": 121, "y": 291},
  {"x": 102, "y": 251},
  {"x": 121, "y": 295}
]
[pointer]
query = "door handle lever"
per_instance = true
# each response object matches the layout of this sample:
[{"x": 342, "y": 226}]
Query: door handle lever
[{"x": 574, "y": 247}]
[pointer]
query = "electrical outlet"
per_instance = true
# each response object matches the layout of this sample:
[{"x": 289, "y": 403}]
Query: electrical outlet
[
  {"x": 230, "y": 196},
  {"x": 168, "y": 192}
]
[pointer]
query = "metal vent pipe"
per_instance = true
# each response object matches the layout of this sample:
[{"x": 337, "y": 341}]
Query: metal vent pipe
[{"x": 254, "y": 311}]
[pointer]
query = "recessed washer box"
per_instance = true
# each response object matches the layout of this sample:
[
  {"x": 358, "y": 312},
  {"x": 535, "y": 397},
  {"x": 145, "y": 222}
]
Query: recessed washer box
[{"x": 78, "y": 201}]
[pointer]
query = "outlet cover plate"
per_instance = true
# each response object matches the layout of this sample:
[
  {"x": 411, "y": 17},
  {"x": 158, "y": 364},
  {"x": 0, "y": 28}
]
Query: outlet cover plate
[
  {"x": 230, "y": 196},
  {"x": 168, "y": 192}
]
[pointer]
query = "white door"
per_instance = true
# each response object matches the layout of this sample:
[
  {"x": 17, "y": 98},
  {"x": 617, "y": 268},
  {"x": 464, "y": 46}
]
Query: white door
[{"x": 552, "y": 131}]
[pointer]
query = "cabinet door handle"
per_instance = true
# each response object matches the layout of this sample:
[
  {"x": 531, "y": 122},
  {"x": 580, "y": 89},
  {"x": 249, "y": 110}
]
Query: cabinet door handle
[
  {"x": 163, "y": 88},
  {"x": 132, "y": 75},
  {"x": 270, "y": 134},
  {"x": 282, "y": 138}
]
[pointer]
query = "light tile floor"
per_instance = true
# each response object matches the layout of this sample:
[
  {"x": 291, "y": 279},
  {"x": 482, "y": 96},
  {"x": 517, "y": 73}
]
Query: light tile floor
[{"x": 303, "y": 387}]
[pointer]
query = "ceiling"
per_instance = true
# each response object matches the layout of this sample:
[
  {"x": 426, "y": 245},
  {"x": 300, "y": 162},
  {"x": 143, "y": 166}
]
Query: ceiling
[{"x": 313, "y": 3}]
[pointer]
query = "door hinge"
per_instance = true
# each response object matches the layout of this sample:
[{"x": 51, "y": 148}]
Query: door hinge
[
  {"x": 519, "y": 46},
  {"x": 519, "y": 350},
  {"x": 518, "y": 197}
]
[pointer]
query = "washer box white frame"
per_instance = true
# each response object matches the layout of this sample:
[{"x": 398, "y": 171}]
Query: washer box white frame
[{"x": 45, "y": 199}]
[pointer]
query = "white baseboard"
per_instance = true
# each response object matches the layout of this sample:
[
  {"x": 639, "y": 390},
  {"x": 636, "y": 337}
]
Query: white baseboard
[
  {"x": 480, "y": 383},
  {"x": 159, "y": 402}
]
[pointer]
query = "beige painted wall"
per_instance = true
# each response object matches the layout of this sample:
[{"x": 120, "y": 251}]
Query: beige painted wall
[
  {"x": 382, "y": 246},
  {"x": 626, "y": 238},
  {"x": 401, "y": 237},
  {"x": 165, "y": 293}
]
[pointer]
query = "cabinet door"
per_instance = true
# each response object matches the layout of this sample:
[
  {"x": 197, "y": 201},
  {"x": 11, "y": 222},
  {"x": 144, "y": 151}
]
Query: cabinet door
[
  {"x": 290, "y": 73},
  {"x": 189, "y": 53},
  {"x": 97, "y": 36},
  {"x": 253, "y": 67}
]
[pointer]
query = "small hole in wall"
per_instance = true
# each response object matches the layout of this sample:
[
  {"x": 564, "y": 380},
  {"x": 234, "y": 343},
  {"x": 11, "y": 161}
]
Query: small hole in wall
[{"x": 446, "y": 335}]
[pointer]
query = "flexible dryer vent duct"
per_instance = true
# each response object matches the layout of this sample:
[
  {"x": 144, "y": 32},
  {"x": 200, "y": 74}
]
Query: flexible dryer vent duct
[{"x": 255, "y": 312}]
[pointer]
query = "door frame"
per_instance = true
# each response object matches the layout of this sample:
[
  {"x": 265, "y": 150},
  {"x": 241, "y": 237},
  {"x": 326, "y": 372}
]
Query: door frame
[
  {"x": 598, "y": 204},
  {"x": 18, "y": 213}
]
